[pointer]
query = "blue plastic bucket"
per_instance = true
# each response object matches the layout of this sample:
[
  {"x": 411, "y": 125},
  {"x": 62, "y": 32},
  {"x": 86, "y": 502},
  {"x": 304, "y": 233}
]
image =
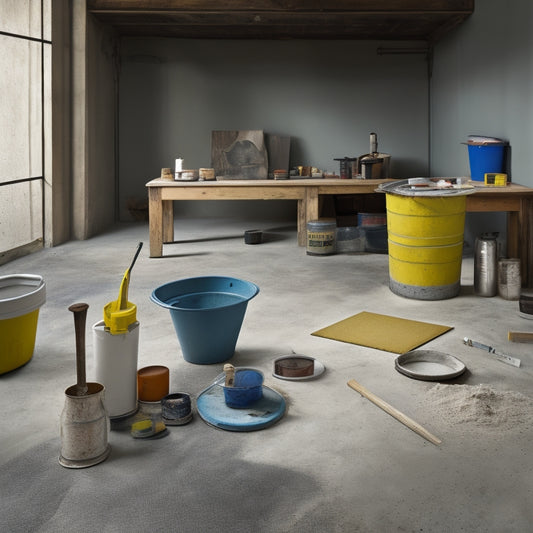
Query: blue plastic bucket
[
  {"x": 207, "y": 313},
  {"x": 485, "y": 158}
]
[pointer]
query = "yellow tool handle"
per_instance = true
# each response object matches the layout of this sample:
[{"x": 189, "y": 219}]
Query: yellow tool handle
[
  {"x": 520, "y": 336},
  {"x": 405, "y": 420},
  {"x": 123, "y": 292}
]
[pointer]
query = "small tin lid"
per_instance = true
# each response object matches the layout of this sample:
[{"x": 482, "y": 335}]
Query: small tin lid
[
  {"x": 489, "y": 236},
  {"x": 297, "y": 367},
  {"x": 294, "y": 367},
  {"x": 322, "y": 223}
]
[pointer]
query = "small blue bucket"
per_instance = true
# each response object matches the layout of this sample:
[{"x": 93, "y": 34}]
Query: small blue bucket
[
  {"x": 247, "y": 389},
  {"x": 485, "y": 158},
  {"x": 207, "y": 313}
]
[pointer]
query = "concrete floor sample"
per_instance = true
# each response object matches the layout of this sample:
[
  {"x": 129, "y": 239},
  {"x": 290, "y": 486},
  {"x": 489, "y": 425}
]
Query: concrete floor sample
[{"x": 334, "y": 463}]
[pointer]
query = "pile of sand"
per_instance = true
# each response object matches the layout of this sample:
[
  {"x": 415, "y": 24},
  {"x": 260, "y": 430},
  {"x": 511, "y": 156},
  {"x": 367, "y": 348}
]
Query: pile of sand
[{"x": 481, "y": 405}]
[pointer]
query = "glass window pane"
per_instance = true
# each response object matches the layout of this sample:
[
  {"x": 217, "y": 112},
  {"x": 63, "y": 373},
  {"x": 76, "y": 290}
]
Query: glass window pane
[{"x": 21, "y": 17}]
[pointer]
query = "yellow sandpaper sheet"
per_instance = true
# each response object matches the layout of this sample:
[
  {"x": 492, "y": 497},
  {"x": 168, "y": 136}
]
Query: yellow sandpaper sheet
[{"x": 383, "y": 332}]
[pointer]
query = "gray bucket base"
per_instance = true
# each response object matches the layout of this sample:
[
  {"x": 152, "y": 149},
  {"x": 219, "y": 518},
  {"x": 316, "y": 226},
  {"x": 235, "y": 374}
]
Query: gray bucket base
[{"x": 415, "y": 292}]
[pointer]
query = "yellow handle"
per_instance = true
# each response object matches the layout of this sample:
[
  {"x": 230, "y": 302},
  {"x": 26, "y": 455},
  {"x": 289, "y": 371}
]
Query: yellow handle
[{"x": 123, "y": 291}]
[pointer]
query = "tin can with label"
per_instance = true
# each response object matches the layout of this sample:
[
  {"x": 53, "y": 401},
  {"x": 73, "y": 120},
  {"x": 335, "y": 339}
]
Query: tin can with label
[{"x": 321, "y": 237}]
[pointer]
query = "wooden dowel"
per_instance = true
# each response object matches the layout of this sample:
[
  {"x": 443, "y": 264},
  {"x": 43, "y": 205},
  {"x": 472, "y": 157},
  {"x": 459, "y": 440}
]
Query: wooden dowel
[
  {"x": 80, "y": 315},
  {"x": 520, "y": 336},
  {"x": 229, "y": 370},
  {"x": 405, "y": 420}
]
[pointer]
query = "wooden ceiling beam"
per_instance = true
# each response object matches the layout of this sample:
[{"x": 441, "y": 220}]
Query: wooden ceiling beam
[
  {"x": 374, "y": 6},
  {"x": 284, "y": 19}
]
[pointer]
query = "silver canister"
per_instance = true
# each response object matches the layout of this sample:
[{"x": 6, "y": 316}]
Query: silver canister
[{"x": 486, "y": 265}]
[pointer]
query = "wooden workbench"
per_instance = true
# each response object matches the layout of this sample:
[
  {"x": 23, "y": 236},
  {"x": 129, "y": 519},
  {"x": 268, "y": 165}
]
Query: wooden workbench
[{"x": 516, "y": 200}]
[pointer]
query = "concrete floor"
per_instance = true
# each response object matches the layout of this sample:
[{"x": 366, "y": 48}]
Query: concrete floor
[{"x": 334, "y": 463}]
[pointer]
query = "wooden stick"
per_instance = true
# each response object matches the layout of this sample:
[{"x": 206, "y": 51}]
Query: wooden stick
[
  {"x": 405, "y": 420},
  {"x": 80, "y": 315},
  {"x": 229, "y": 370},
  {"x": 520, "y": 336}
]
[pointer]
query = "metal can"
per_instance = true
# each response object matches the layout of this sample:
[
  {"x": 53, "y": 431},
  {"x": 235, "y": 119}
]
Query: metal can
[
  {"x": 509, "y": 279},
  {"x": 321, "y": 237},
  {"x": 486, "y": 265}
]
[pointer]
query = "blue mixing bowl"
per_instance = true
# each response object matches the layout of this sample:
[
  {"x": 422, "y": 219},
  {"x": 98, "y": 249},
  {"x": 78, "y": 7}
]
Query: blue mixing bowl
[{"x": 247, "y": 388}]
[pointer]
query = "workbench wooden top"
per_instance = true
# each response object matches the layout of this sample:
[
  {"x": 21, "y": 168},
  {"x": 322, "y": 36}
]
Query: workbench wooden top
[
  {"x": 298, "y": 182},
  {"x": 512, "y": 188}
]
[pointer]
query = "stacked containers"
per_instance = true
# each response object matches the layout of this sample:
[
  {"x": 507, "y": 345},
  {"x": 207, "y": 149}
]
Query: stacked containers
[{"x": 374, "y": 228}]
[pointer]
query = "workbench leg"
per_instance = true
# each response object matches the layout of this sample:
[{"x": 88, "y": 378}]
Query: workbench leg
[
  {"x": 519, "y": 241},
  {"x": 302, "y": 222},
  {"x": 168, "y": 221},
  {"x": 155, "y": 216},
  {"x": 521, "y": 225},
  {"x": 311, "y": 213},
  {"x": 527, "y": 222}
]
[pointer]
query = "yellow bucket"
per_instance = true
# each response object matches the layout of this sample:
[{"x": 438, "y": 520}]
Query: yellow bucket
[
  {"x": 425, "y": 245},
  {"x": 21, "y": 296}
]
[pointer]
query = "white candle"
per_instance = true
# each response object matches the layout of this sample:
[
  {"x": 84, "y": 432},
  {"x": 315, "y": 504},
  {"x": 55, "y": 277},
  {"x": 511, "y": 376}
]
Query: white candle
[{"x": 179, "y": 165}]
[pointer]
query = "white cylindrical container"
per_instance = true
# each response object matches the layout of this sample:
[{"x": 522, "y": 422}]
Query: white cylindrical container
[{"x": 115, "y": 358}]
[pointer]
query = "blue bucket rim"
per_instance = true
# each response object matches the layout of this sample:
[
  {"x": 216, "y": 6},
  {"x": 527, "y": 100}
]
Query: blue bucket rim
[{"x": 157, "y": 301}]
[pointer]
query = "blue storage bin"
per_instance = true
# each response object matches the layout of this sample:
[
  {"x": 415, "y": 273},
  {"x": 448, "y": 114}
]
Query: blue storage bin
[{"x": 485, "y": 158}]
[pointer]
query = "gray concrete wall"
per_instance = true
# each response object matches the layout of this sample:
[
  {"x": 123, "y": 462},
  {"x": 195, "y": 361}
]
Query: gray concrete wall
[
  {"x": 93, "y": 112},
  {"x": 482, "y": 84},
  {"x": 328, "y": 96}
]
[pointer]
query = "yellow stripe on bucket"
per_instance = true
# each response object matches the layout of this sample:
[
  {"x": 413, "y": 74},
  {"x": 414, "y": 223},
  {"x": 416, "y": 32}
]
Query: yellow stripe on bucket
[
  {"x": 431, "y": 221},
  {"x": 425, "y": 245},
  {"x": 425, "y": 266}
]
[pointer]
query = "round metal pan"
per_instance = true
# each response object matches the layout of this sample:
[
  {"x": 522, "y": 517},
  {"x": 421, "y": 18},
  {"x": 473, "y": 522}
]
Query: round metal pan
[{"x": 429, "y": 365}]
